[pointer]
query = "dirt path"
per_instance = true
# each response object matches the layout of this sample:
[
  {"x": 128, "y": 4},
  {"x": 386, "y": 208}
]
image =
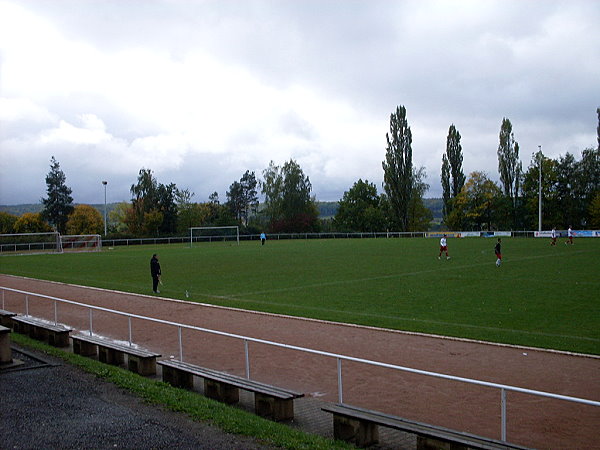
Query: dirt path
[{"x": 532, "y": 421}]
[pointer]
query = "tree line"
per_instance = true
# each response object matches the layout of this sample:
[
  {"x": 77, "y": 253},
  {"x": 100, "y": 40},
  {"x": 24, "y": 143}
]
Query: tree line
[
  {"x": 570, "y": 192},
  {"x": 570, "y": 188}
]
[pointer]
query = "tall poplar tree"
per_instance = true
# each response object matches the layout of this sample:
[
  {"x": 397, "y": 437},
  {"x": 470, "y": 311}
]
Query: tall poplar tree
[
  {"x": 59, "y": 203},
  {"x": 446, "y": 195},
  {"x": 453, "y": 177},
  {"x": 455, "y": 158},
  {"x": 398, "y": 167},
  {"x": 509, "y": 166}
]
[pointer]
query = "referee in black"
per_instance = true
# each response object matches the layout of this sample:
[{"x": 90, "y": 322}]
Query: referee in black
[{"x": 155, "y": 272}]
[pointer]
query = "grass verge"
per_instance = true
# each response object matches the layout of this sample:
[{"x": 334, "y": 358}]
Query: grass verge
[{"x": 194, "y": 405}]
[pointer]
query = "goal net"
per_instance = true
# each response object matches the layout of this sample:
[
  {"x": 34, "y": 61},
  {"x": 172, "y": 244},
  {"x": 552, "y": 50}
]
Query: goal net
[
  {"x": 81, "y": 243},
  {"x": 229, "y": 234},
  {"x": 23, "y": 243}
]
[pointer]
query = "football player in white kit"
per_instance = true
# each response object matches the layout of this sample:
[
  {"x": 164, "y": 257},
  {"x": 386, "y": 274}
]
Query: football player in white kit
[{"x": 443, "y": 247}]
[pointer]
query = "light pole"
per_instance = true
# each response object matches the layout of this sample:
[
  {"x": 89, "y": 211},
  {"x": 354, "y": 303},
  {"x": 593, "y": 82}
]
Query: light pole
[
  {"x": 105, "y": 183},
  {"x": 540, "y": 190}
]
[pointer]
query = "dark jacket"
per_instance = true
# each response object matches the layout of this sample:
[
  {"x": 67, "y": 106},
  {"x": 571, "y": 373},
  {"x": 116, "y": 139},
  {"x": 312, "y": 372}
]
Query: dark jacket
[
  {"x": 497, "y": 248},
  {"x": 154, "y": 266}
]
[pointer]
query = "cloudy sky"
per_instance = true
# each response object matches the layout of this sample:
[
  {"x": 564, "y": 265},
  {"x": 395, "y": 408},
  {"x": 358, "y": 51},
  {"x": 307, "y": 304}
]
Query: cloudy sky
[{"x": 199, "y": 91}]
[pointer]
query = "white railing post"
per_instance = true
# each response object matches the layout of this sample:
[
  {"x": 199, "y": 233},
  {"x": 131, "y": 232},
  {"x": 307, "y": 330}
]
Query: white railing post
[
  {"x": 503, "y": 414},
  {"x": 2, "y": 298},
  {"x": 129, "y": 326},
  {"x": 247, "y": 358},
  {"x": 180, "y": 345},
  {"x": 340, "y": 388},
  {"x": 55, "y": 312},
  {"x": 26, "y": 305},
  {"x": 91, "y": 311}
]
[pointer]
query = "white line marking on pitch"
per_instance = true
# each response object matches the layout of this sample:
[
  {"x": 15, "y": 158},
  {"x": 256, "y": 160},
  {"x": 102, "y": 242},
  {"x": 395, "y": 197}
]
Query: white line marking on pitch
[
  {"x": 404, "y": 319},
  {"x": 238, "y": 297},
  {"x": 380, "y": 277}
]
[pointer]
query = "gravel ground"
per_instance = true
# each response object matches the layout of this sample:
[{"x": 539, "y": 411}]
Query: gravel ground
[{"x": 47, "y": 404}]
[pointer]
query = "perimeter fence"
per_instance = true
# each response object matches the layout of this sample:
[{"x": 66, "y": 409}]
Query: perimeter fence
[
  {"x": 339, "y": 358},
  {"x": 297, "y": 236}
]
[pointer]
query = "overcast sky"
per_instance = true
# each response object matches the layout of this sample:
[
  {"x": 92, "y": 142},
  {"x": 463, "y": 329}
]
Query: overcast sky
[{"x": 201, "y": 91}]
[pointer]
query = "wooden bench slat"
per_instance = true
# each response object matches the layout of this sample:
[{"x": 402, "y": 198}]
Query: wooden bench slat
[
  {"x": 56, "y": 335},
  {"x": 421, "y": 429},
  {"x": 269, "y": 401},
  {"x": 39, "y": 323},
  {"x": 140, "y": 361},
  {"x": 224, "y": 377},
  {"x": 116, "y": 346}
]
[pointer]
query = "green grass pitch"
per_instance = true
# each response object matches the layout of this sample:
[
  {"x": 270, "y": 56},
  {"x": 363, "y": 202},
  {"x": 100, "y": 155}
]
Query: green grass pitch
[{"x": 541, "y": 296}]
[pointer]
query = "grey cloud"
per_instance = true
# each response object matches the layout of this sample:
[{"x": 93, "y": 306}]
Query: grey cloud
[{"x": 470, "y": 64}]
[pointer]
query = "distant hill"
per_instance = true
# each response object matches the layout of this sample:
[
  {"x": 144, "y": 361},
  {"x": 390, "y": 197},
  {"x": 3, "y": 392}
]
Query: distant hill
[
  {"x": 326, "y": 209},
  {"x": 19, "y": 210},
  {"x": 435, "y": 205}
]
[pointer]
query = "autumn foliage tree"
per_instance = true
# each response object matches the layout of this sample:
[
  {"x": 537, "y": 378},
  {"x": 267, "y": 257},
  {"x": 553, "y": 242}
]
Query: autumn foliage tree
[
  {"x": 31, "y": 223},
  {"x": 594, "y": 212},
  {"x": 85, "y": 219},
  {"x": 7, "y": 223},
  {"x": 118, "y": 216},
  {"x": 477, "y": 205},
  {"x": 154, "y": 208}
]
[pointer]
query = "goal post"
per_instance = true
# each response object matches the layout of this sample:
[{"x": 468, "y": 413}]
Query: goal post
[
  {"x": 214, "y": 234},
  {"x": 48, "y": 242},
  {"x": 81, "y": 243}
]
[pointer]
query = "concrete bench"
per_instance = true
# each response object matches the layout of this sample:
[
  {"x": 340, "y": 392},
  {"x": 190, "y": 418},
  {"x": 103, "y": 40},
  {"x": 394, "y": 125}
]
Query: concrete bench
[
  {"x": 139, "y": 360},
  {"x": 56, "y": 335},
  {"x": 5, "y": 351},
  {"x": 6, "y": 318},
  {"x": 269, "y": 401},
  {"x": 360, "y": 427}
]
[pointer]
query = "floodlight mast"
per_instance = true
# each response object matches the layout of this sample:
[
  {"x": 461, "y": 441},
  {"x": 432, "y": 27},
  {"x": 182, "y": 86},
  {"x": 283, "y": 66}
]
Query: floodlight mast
[
  {"x": 540, "y": 189},
  {"x": 105, "y": 183}
]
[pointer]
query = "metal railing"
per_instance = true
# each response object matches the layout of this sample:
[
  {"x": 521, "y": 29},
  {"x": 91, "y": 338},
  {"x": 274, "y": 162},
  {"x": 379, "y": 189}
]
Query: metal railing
[
  {"x": 30, "y": 246},
  {"x": 338, "y": 357},
  {"x": 256, "y": 237},
  {"x": 284, "y": 236}
]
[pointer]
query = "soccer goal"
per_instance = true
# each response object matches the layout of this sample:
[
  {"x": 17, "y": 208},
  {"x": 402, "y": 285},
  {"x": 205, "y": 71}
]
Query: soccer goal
[
  {"x": 81, "y": 243},
  {"x": 214, "y": 234},
  {"x": 23, "y": 243}
]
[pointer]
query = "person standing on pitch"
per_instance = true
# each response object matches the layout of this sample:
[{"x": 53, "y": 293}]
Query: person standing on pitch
[
  {"x": 155, "y": 272},
  {"x": 263, "y": 238},
  {"x": 569, "y": 236},
  {"x": 498, "y": 253},
  {"x": 443, "y": 247},
  {"x": 553, "y": 242}
]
